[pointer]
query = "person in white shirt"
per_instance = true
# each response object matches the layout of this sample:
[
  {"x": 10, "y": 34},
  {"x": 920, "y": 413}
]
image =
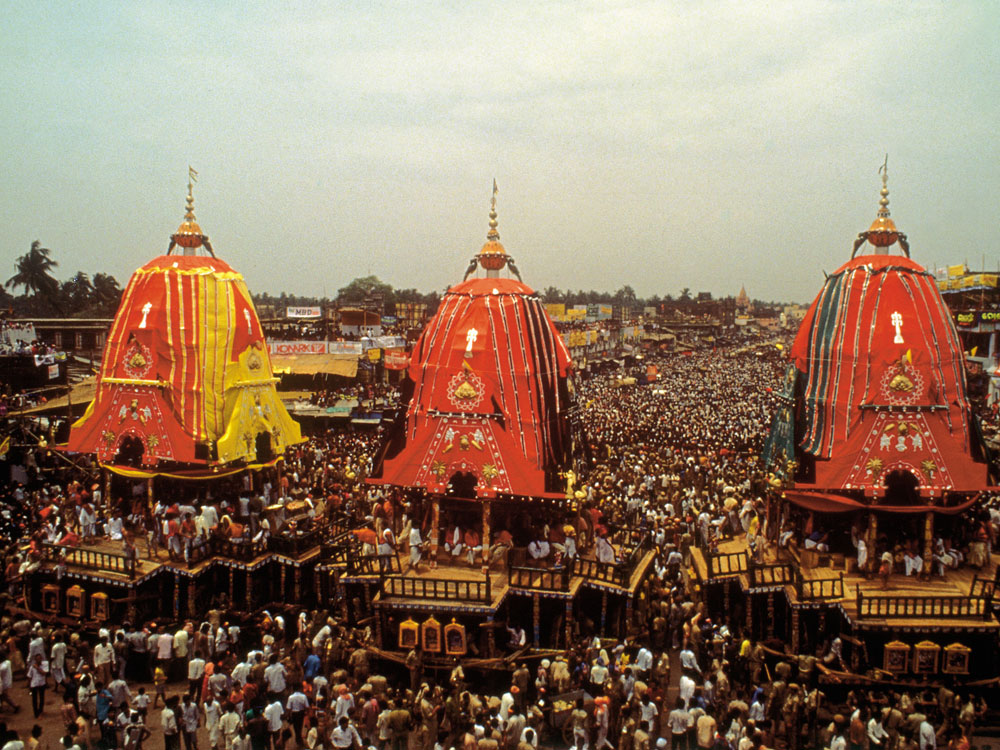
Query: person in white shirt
[
  {"x": 275, "y": 675},
  {"x": 38, "y": 677},
  {"x": 605, "y": 552},
  {"x": 6, "y": 682},
  {"x": 344, "y": 735},
  {"x": 212, "y": 712},
  {"x": 195, "y": 674},
  {"x": 453, "y": 543},
  {"x": 229, "y": 723},
  {"x": 296, "y": 706},
  {"x": 171, "y": 729},
  {"x": 273, "y": 713},
  {"x": 14, "y": 743}
]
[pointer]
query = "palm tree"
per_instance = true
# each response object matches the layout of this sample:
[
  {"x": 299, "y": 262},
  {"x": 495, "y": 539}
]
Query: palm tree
[
  {"x": 107, "y": 293},
  {"x": 33, "y": 271},
  {"x": 77, "y": 293}
]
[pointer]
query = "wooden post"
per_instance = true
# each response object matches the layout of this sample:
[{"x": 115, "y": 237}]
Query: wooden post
[
  {"x": 770, "y": 614},
  {"x": 569, "y": 623},
  {"x": 192, "y": 597},
  {"x": 928, "y": 538},
  {"x": 487, "y": 533},
  {"x": 249, "y": 592},
  {"x": 872, "y": 536},
  {"x": 284, "y": 586},
  {"x": 628, "y": 613},
  {"x": 795, "y": 630},
  {"x": 378, "y": 627},
  {"x": 177, "y": 596},
  {"x": 749, "y": 616},
  {"x": 297, "y": 584},
  {"x": 536, "y": 618},
  {"x": 131, "y": 613},
  {"x": 435, "y": 528},
  {"x": 604, "y": 611},
  {"x": 232, "y": 584},
  {"x": 491, "y": 638},
  {"x": 107, "y": 488},
  {"x": 149, "y": 496}
]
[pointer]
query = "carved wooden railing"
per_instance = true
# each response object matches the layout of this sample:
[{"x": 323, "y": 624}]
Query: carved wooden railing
[
  {"x": 931, "y": 607},
  {"x": 294, "y": 545},
  {"x": 372, "y": 565},
  {"x": 89, "y": 558},
  {"x": 438, "y": 589},
  {"x": 778, "y": 574},
  {"x": 556, "y": 579},
  {"x": 594, "y": 570},
  {"x": 819, "y": 589},
  {"x": 726, "y": 563},
  {"x": 238, "y": 549}
]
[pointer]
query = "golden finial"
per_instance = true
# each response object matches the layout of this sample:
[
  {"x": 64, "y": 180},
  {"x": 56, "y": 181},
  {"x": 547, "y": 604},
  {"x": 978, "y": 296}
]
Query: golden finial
[
  {"x": 493, "y": 257},
  {"x": 883, "y": 232},
  {"x": 493, "y": 234},
  {"x": 188, "y": 234},
  {"x": 884, "y": 200},
  {"x": 192, "y": 178}
]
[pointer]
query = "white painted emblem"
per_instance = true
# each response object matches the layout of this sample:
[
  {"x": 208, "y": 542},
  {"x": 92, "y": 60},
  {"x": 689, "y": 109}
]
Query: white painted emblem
[
  {"x": 470, "y": 339},
  {"x": 145, "y": 311},
  {"x": 897, "y": 323}
]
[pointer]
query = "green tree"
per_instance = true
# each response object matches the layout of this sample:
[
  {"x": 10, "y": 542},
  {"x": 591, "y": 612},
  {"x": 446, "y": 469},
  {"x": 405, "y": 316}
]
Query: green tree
[
  {"x": 365, "y": 288},
  {"x": 34, "y": 272},
  {"x": 107, "y": 295},
  {"x": 77, "y": 294}
]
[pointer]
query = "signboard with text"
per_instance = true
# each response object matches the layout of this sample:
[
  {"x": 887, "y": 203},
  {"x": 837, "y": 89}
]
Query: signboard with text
[{"x": 303, "y": 312}]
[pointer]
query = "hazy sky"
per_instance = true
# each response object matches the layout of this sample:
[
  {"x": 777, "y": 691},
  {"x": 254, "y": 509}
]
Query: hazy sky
[{"x": 658, "y": 144}]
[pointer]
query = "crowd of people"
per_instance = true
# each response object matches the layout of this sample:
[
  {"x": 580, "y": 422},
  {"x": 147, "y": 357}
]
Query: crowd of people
[{"x": 677, "y": 458}]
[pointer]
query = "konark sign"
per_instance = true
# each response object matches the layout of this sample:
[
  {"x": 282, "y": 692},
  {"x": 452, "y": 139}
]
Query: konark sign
[{"x": 286, "y": 348}]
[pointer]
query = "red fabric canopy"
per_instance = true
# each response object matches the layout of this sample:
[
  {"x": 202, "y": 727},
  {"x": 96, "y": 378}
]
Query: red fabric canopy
[
  {"x": 824, "y": 502},
  {"x": 185, "y": 364},
  {"x": 884, "y": 382},
  {"x": 489, "y": 396}
]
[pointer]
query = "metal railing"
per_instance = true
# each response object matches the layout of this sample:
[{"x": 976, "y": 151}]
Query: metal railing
[
  {"x": 438, "y": 589},
  {"x": 949, "y": 607}
]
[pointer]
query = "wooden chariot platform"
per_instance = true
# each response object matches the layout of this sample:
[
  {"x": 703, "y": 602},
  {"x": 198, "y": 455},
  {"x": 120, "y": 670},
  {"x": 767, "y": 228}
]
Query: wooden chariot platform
[
  {"x": 94, "y": 584},
  {"x": 805, "y": 599}
]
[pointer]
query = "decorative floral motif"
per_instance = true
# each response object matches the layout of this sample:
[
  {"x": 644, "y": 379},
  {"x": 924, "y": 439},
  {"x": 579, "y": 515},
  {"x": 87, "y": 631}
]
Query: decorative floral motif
[
  {"x": 138, "y": 360},
  {"x": 465, "y": 388},
  {"x": 489, "y": 472},
  {"x": 874, "y": 466}
]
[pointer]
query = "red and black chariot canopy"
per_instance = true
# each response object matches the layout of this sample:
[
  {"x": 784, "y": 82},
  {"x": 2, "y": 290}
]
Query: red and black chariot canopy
[{"x": 875, "y": 400}]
